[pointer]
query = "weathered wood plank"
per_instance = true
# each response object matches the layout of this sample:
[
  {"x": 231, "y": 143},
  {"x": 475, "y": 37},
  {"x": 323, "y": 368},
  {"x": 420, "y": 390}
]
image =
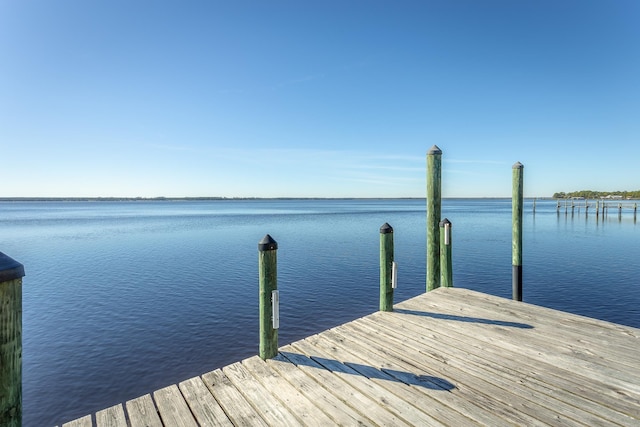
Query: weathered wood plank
[
  {"x": 172, "y": 408},
  {"x": 263, "y": 400},
  {"x": 204, "y": 406},
  {"x": 239, "y": 411},
  {"x": 342, "y": 413},
  {"x": 577, "y": 340},
  {"x": 413, "y": 409},
  {"x": 353, "y": 397},
  {"x": 499, "y": 388},
  {"x": 80, "y": 422},
  {"x": 142, "y": 412},
  {"x": 464, "y": 354},
  {"x": 460, "y": 399},
  {"x": 606, "y": 333},
  {"x": 111, "y": 417},
  {"x": 521, "y": 343},
  {"x": 289, "y": 395},
  {"x": 466, "y": 385}
]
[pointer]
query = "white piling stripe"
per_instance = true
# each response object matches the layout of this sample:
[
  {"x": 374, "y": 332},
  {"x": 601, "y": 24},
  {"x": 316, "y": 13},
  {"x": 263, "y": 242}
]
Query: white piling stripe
[
  {"x": 447, "y": 234},
  {"x": 275, "y": 309},
  {"x": 394, "y": 275}
]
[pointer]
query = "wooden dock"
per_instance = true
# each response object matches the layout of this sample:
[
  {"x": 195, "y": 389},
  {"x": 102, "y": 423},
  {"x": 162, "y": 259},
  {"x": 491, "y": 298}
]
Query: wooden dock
[{"x": 450, "y": 357}]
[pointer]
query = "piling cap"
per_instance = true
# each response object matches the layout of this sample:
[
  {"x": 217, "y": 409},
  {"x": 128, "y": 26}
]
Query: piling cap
[
  {"x": 445, "y": 222},
  {"x": 386, "y": 228},
  {"x": 434, "y": 150},
  {"x": 10, "y": 269},
  {"x": 518, "y": 165},
  {"x": 267, "y": 244}
]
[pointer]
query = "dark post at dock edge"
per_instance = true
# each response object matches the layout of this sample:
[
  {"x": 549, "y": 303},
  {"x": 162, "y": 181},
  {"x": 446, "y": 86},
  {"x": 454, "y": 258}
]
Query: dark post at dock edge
[
  {"x": 516, "y": 206},
  {"x": 11, "y": 274}
]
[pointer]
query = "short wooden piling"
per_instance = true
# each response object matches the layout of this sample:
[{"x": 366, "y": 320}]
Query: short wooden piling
[
  {"x": 516, "y": 205},
  {"x": 11, "y": 274},
  {"x": 434, "y": 203},
  {"x": 268, "y": 277},
  {"x": 386, "y": 267},
  {"x": 446, "y": 267}
]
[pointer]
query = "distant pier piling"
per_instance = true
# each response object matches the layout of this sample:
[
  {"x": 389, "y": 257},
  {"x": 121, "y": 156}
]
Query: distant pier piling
[
  {"x": 434, "y": 203},
  {"x": 11, "y": 274},
  {"x": 269, "y": 297},
  {"x": 516, "y": 208},
  {"x": 387, "y": 276}
]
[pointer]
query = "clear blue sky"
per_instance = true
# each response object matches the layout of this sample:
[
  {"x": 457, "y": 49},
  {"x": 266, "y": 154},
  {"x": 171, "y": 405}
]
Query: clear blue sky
[{"x": 317, "y": 98}]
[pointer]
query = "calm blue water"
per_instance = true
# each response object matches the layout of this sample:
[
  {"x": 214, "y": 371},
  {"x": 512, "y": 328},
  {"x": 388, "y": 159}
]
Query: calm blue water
[{"x": 122, "y": 298}]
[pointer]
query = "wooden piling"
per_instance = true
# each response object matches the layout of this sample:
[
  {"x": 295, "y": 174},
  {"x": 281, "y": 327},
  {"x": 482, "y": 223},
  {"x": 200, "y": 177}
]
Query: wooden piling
[
  {"x": 268, "y": 277},
  {"x": 446, "y": 267},
  {"x": 434, "y": 203},
  {"x": 11, "y": 274},
  {"x": 386, "y": 267},
  {"x": 516, "y": 204}
]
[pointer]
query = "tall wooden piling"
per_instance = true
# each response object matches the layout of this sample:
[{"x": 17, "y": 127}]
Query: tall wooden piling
[
  {"x": 268, "y": 277},
  {"x": 434, "y": 203},
  {"x": 446, "y": 267},
  {"x": 11, "y": 274},
  {"x": 386, "y": 267},
  {"x": 516, "y": 208}
]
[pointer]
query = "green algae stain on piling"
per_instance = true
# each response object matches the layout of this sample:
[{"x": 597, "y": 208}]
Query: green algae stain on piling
[
  {"x": 11, "y": 273},
  {"x": 434, "y": 183},
  {"x": 268, "y": 278},
  {"x": 516, "y": 209},
  {"x": 386, "y": 267}
]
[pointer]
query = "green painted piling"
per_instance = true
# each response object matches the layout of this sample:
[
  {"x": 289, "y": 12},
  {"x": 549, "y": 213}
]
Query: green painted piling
[
  {"x": 11, "y": 274},
  {"x": 434, "y": 203},
  {"x": 386, "y": 267},
  {"x": 446, "y": 267},
  {"x": 268, "y": 277},
  {"x": 516, "y": 204}
]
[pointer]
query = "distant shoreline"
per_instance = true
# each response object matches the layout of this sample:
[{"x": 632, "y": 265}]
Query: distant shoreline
[{"x": 182, "y": 199}]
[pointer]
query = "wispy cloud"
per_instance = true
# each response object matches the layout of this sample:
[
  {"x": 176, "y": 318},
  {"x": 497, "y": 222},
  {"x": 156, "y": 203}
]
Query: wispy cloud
[{"x": 484, "y": 162}]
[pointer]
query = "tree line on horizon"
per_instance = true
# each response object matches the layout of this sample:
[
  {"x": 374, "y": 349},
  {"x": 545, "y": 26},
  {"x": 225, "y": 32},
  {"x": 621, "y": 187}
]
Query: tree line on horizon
[{"x": 590, "y": 194}]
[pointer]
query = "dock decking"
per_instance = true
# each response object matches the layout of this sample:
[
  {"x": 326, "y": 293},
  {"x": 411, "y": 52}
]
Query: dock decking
[{"x": 450, "y": 357}]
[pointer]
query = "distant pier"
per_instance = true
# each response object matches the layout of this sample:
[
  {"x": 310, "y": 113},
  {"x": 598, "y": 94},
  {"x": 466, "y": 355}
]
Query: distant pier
[{"x": 599, "y": 207}]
